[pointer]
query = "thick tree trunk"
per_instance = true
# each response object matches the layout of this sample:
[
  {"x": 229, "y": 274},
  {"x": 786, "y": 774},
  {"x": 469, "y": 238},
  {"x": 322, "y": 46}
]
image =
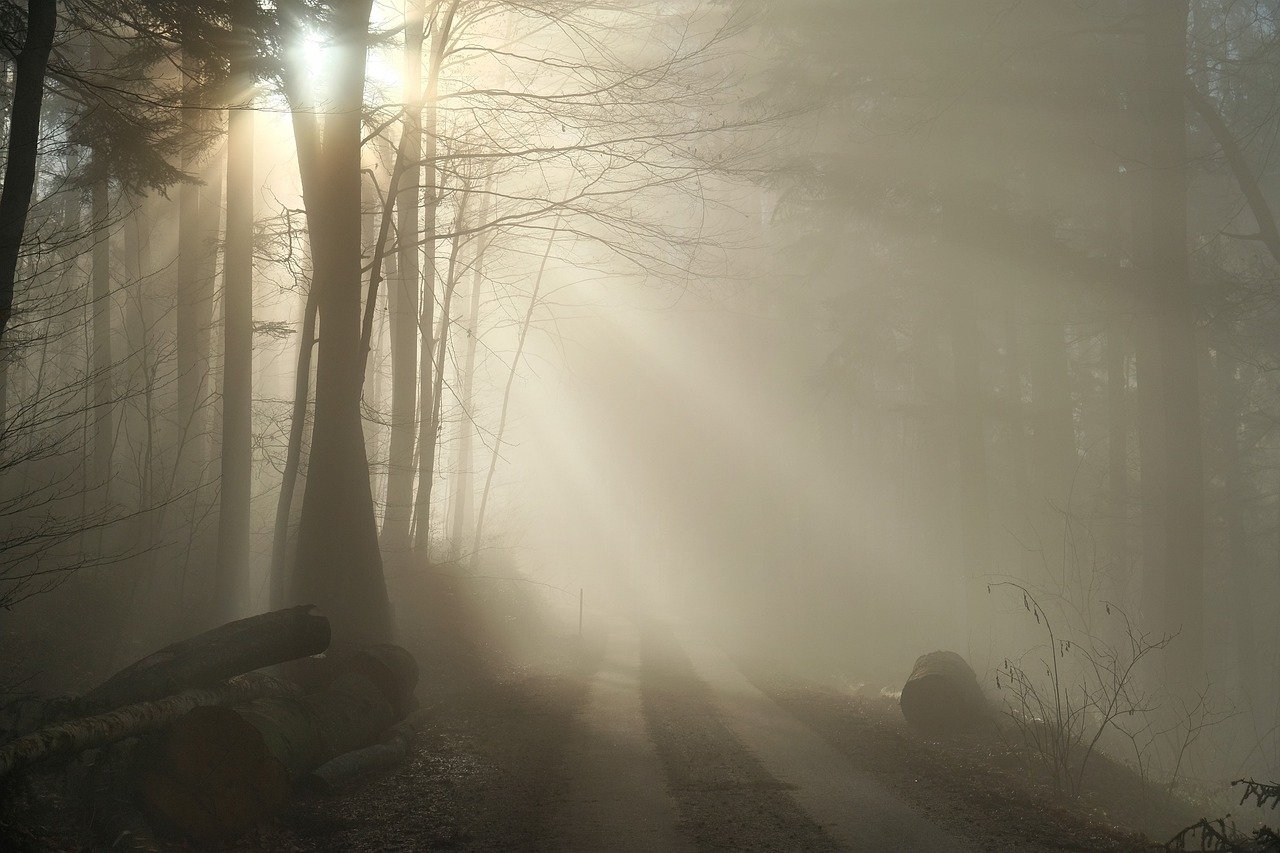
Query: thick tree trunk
[
  {"x": 216, "y": 655},
  {"x": 339, "y": 565},
  {"x": 24, "y": 139},
  {"x": 403, "y": 298},
  {"x": 218, "y": 770},
  {"x": 1173, "y": 306},
  {"x": 235, "y": 494}
]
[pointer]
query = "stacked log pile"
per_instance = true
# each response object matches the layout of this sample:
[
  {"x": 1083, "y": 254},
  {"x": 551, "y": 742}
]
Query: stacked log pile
[{"x": 192, "y": 740}]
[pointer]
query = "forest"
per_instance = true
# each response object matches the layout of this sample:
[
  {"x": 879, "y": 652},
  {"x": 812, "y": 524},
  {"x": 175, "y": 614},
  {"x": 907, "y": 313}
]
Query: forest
[{"x": 640, "y": 425}]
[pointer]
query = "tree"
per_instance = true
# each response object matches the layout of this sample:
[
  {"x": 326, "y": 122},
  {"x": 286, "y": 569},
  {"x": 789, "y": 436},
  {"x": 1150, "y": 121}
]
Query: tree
[
  {"x": 30, "y": 64},
  {"x": 339, "y": 566}
]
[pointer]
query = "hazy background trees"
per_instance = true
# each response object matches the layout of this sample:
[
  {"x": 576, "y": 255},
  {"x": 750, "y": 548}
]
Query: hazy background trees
[{"x": 817, "y": 321}]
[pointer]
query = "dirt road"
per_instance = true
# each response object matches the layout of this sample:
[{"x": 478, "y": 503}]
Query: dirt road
[{"x": 645, "y": 738}]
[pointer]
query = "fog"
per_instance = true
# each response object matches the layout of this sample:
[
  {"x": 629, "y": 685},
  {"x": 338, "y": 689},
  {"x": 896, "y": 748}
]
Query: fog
[{"x": 585, "y": 344}]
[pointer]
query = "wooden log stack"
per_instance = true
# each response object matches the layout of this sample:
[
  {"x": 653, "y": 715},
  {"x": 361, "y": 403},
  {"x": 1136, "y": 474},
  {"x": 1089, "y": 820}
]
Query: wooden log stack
[
  {"x": 198, "y": 743},
  {"x": 218, "y": 770}
]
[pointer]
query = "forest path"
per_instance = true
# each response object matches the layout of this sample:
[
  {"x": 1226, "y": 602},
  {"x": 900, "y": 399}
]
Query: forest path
[
  {"x": 617, "y": 793},
  {"x": 856, "y": 810}
]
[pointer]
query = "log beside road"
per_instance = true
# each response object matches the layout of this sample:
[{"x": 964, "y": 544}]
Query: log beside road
[
  {"x": 60, "y": 740},
  {"x": 390, "y": 750},
  {"x": 942, "y": 696},
  {"x": 218, "y": 770}
]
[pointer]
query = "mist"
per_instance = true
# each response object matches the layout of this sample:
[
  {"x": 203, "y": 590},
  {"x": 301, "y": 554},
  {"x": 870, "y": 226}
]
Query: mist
[{"x": 637, "y": 425}]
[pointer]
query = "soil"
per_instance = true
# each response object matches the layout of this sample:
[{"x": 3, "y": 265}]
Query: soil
[{"x": 725, "y": 798}]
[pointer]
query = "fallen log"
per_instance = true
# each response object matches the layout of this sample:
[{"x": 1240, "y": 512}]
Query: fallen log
[
  {"x": 216, "y": 655},
  {"x": 218, "y": 770},
  {"x": 113, "y": 817},
  {"x": 67, "y": 738},
  {"x": 392, "y": 749},
  {"x": 942, "y": 696}
]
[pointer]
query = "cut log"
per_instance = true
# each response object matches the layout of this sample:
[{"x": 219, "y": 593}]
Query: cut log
[
  {"x": 217, "y": 771},
  {"x": 113, "y": 817},
  {"x": 942, "y": 696},
  {"x": 390, "y": 750},
  {"x": 216, "y": 655},
  {"x": 336, "y": 772},
  {"x": 60, "y": 740}
]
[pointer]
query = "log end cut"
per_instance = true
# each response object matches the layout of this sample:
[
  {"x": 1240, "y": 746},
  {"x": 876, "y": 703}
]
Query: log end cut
[
  {"x": 942, "y": 697},
  {"x": 213, "y": 775}
]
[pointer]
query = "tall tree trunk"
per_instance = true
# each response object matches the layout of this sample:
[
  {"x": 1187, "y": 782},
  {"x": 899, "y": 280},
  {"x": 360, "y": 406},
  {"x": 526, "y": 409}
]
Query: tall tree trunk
[
  {"x": 24, "y": 140},
  {"x": 403, "y": 297},
  {"x": 464, "y": 477},
  {"x": 230, "y": 582},
  {"x": 192, "y": 303},
  {"x": 1173, "y": 306},
  {"x": 339, "y": 566},
  {"x": 100, "y": 285},
  {"x": 1235, "y": 561},
  {"x": 293, "y": 454},
  {"x": 442, "y": 26}
]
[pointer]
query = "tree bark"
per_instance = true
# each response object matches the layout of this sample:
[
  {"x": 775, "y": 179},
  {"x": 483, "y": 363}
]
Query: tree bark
[
  {"x": 464, "y": 477},
  {"x": 216, "y": 771},
  {"x": 237, "y": 346},
  {"x": 403, "y": 297},
  {"x": 338, "y": 564},
  {"x": 293, "y": 454},
  {"x": 61, "y": 740},
  {"x": 1268, "y": 233},
  {"x": 1235, "y": 563},
  {"x": 193, "y": 300},
  {"x": 24, "y": 139},
  {"x": 442, "y": 27},
  {"x": 428, "y": 450},
  {"x": 103, "y": 363}
]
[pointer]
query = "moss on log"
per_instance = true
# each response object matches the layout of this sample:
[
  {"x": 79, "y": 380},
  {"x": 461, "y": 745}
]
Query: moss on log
[
  {"x": 60, "y": 740},
  {"x": 942, "y": 696}
]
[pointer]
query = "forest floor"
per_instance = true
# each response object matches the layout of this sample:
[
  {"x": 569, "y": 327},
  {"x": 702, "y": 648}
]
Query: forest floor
[
  {"x": 649, "y": 739},
  {"x": 641, "y": 740}
]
